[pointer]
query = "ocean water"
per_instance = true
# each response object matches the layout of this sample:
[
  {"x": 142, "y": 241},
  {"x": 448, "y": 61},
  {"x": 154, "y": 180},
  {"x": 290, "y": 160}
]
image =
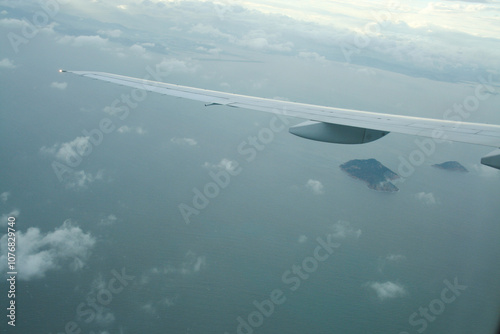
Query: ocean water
[{"x": 207, "y": 275}]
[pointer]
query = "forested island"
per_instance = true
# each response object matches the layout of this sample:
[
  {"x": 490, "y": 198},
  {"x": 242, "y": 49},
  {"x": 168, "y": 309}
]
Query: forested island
[
  {"x": 371, "y": 171},
  {"x": 451, "y": 166}
]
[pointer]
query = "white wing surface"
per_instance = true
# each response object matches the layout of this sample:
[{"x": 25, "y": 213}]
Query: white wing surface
[{"x": 327, "y": 119}]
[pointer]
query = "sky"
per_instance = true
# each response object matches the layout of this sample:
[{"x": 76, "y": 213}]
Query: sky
[{"x": 141, "y": 213}]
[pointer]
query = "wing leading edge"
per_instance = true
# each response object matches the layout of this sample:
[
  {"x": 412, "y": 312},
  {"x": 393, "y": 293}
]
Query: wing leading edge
[{"x": 378, "y": 123}]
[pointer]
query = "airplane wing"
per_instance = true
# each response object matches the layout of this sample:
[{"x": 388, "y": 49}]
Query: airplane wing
[{"x": 327, "y": 124}]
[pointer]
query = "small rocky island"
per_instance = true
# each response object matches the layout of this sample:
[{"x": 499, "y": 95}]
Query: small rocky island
[
  {"x": 376, "y": 175},
  {"x": 451, "y": 166}
]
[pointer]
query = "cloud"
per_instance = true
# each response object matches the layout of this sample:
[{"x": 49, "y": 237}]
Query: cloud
[
  {"x": 25, "y": 25},
  {"x": 111, "y": 33},
  {"x": 452, "y": 6},
  {"x": 315, "y": 186},
  {"x": 151, "y": 307},
  {"x": 13, "y": 23},
  {"x": 343, "y": 230},
  {"x": 7, "y": 63},
  {"x": 59, "y": 85},
  {"x": 103, "y": 315},
  {"x": 192, "y": 264},
  {"x": 390, "y": 259},
  {"x": 4, "y": 196},
  {"x": 184, "y": 141},
  {"x": 224, "y": 164},
  {"x": 260, "y": 40},
  {"x": 395, "y": 257},
  {"x": 169, "y": 65},
  {"x": 138, "y": 50},
  {"x": 80, "y": 41},
  {"x": 4, "y": 218},
  {"x": 127, "y": 129},
  {"x": 302, "y": 239},
  {"x": 479, "y": 1},
  {"x": 312, "y": 56},
  {"x": 38, "y": 253},
  {"x": 71, "y": 154},
  {"x": 109, "y": 220},
  {"x": 206, "y": 29},
  {"x": 67, "y": 152},
  {"x": 114, "y": 110},
  {"x": 366, "y": 71},
  {"x": 426, "y": 198},
  {"x": 253, "y": 39},
  {"x": 81, "y": 179},
  {"x": 213, "y": 51},
  {"x": 387, "y": 290}
]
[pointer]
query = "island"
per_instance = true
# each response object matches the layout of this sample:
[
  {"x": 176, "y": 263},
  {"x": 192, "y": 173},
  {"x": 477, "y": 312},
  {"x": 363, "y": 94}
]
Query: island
[
  {"x": 451, "y": 166},
  {"x": 376, "y": 175}
]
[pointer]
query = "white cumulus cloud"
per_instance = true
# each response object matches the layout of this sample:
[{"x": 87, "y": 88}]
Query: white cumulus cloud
[
  {"x": 184, "y": 141},
  {"x": 138, "y": 49},
  {"x": 315, "y": 186},
  {"x": 109, "y": 220},
  {"x": 111, "y": 33},
  {"x": 426, "y": 198},
  {"x": 71, "y": 154},
  {"x": 205, "y": 29},
  {"x": 38, "y": 253},
  {"x": 260, "y": 40},
  {"x": 387, "y": 290},
  {"x": 69, "y": 151},
  {"x": 127, "y": 129},
  {"x": 192, "y": 264},
  {"x": 79, "y": 41},
  {"x": 312, "y": 56},
  {"x": 81, "y": 179},
  {"x": 343, "y": 229},
  {"x": 103, "y": 315},
  {"x": 6, "y": 63},
  {"x": 224, "y": 164},
  {"x": 4, "y": 218}
]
